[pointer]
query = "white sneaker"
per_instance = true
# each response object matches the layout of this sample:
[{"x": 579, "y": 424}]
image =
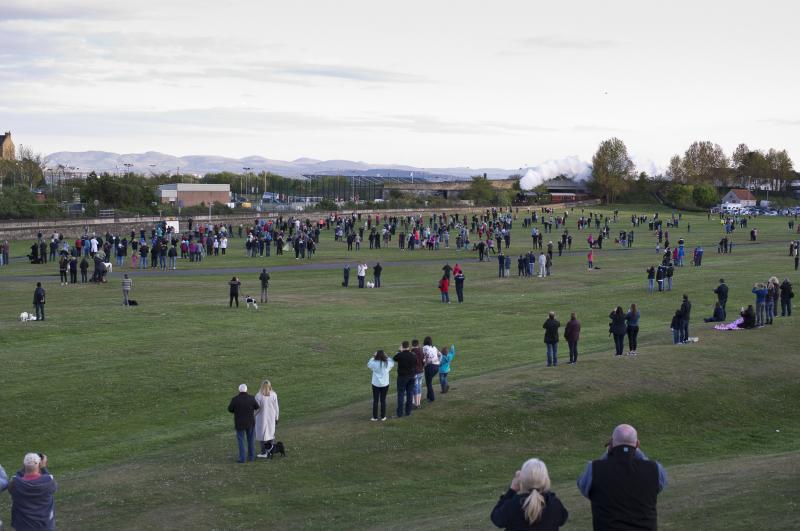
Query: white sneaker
[
  {"x": 262, "y": 455},
  {"x": 373, "y": 419},
  {"x": 383, "y": 419}
]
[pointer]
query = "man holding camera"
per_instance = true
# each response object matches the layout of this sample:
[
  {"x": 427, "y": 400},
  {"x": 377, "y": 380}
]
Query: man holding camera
[
  {"x": 623, "y": 484},
  {"x": 32, "y": 490}
]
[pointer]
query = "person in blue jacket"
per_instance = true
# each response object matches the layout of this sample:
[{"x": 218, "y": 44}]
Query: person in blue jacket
[
  {"x": 444, "y": 367},
  {"x": 760, "y": 291}
]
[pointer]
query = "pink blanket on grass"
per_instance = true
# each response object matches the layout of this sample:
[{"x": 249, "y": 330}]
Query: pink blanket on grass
[{"x": 731, "y": 326}]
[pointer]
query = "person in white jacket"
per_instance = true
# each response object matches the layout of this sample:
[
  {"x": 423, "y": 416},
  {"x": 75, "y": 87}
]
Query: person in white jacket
[
  {"x": 266, "y": 417},
  {"x": 380, "y": 365},
  {"x": 362, "y": 273}
]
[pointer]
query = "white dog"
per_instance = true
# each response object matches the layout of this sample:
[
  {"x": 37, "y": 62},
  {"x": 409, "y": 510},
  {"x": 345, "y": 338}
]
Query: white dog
[
  {"x": 251, "y": 301},
  {"x": 370, "y": 284},
  {"x": 25, "y": 316},
  {"x": 109, "y": 266}
]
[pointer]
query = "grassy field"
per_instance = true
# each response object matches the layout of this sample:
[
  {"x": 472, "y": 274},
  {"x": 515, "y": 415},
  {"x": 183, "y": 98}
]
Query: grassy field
[{"x": 130, "y": 403}]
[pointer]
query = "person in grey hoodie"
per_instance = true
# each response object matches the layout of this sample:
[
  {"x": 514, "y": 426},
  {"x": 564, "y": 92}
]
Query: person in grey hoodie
[{"x": 32, "y": 490}]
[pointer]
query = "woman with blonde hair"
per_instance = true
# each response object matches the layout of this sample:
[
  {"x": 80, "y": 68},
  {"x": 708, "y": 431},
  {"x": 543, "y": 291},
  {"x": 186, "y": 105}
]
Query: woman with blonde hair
[
  {"x": 266, "y": 417},
  {"x": 529, "y": 503}
]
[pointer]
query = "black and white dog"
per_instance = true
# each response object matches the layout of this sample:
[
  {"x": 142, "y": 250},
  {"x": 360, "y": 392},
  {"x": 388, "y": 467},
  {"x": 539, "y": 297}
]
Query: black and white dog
[{"x": 250, "y": 302}]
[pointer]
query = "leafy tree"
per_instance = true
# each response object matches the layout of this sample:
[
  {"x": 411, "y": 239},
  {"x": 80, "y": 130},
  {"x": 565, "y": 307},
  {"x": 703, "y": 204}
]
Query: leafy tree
[
  {"x": 680, "y": 195},
  {"x": 705, "y": 195},
  {"x": 612, "y": 169},
  {"x": 481, "y": 191},
  {"x": 675, "y": 169},
  {"x": 704, "y": 162}
]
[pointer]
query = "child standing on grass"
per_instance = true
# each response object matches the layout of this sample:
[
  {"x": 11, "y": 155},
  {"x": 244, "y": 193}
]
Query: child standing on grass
[{"x": 444, "y": 367}]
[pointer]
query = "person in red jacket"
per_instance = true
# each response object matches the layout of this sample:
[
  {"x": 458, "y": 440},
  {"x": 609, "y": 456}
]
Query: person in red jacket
[{"x": 444, "y": 287}]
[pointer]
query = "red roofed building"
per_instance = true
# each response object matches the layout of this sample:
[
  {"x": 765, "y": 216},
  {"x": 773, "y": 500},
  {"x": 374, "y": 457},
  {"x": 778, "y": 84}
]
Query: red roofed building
[{"x": 741, "y": 197}]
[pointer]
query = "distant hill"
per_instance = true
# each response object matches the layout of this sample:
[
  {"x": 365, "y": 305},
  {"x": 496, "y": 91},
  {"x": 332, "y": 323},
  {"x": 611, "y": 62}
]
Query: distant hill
[{"x": 153, "y": 163}]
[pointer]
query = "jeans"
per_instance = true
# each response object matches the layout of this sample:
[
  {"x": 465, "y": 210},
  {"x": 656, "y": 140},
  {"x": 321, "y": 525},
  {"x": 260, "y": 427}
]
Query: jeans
[
  {"x": 418, "y": 383},
  {"x": 39, "y": 311},
  {"x": 676, "y": 336},
  {"x": 460, "y": 293},
  {"x": 379, "y": 395},
  {"x": 770, "y": 311},
  {"x": 143, "y": 263},
  {"x": 573, "y": 351},
  {"x": 377, "y": 281},
  {"x": 405, "y": 387},
  {"x": 684, "y": 331},
  {"x": 633, "y": 333},
  {"x": 443, "y": 381},
  {"x": 786, "y": 308},
  {"x": 173, "y": 262},
  {"x": 251, "y": 445},
  {"x": 650, "y": 284},
  {"x": 669, "y": 283},
  {"x": 125, "y": 296},
  {"x": 360, "y": 281},
  {"x": 430, "y": 371},
  {"x": 552, "y": 354},
  {"x": 445, "y": 297},
  {"x": 760, "y": 307},
  {"x": 619, "y": 344},
  {"x": 119, "y": 259}
]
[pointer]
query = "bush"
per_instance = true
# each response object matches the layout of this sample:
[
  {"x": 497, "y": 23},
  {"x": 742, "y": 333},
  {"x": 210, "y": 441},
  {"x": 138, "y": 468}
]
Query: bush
[{"x": 705, "y": 195}]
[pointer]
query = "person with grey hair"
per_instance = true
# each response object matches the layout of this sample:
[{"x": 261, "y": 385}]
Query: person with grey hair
[
  {"x": 32, "y": 490},
  {"x": 623, "y": 484},
  {"x": 243, "y": 406}
]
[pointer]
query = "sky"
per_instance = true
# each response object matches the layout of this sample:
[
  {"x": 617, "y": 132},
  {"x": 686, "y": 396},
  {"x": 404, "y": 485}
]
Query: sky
[{"x": 426, "y": 83}]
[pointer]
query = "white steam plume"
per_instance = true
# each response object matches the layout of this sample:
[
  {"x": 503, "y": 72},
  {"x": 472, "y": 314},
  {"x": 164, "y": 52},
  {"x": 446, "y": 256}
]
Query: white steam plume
[{"x": 572, "y": 167}]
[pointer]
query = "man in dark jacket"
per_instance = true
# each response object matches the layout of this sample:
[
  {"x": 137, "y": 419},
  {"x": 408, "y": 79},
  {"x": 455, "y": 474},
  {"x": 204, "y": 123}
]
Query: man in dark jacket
[
  {"x": 686, "y": 310},
  {"x": 38, "y": 301},
  {"x": 264, "y": 278},
  {"x": 406, "y": 370},
  {"x": 786, "y": 298},
  {"x": 31, "y": 490},
  {"x": 572, "y": 333},
  {"x": 623, "y": 485},
  {"x": 243, "y": 406},
  {"x": 376, "y": 271},
  {"x": 722, "y": 295},
  {"x": 551, "y": 339}
]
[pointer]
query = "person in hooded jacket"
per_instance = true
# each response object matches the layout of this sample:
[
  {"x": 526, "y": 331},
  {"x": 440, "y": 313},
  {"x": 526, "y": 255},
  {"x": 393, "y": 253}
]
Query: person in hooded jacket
[
  {"x": 551, "y": 326},
  {"x": 618, "y": 328},
  {"x": 786, "y": 298},
  {"x": 32, "y": 495}
]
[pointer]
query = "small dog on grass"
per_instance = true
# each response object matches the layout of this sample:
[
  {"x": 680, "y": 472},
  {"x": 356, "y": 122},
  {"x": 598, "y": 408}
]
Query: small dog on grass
[
  {"x": 251, "y": 302},
  {"x": 25, "y": 317}
]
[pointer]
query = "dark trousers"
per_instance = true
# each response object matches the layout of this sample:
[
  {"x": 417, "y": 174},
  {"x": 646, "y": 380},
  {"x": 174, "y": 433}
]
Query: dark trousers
[
  {"x": 460, "y": 293},
  {"x": 84, "y": 276},
  {"x": 377, "y": 281},
  {"x": 233, "y": 298},
  {"x": 405, "y": 388},
  {"x": 633, "y": 333},
  {"x": 251, "y": 445},
  {"x": 684, "y": 335},
  {"x": 63, "y": 275},
  {"x": 360, "y": 282},
  {"x": 73, "y": 277},
  {"x": 786, "y": 308},
  {"x": 430, "y": 371},
  {"x": 619, "y": 343},
  {"x": 263, "y": 294},
  {"x": 379, "y": 395},
  {"x": 39, "y": 311},
  {"x": 573, "y": 351}
]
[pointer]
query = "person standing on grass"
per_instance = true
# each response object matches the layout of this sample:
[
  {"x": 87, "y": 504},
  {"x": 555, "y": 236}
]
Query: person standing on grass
[
  {"x": 632, "y": 321},
  {"x": 127, "y": 284},
  {"x": 406, "y": 363},
  {"x": 773, "y": 294},
  {"x": 444, "y": 368},
  {"x": 686, "y": 312},
  {"x": 362, "y": 273},
  {"x": 618, "y": 329},
  {"x": 243, "y": 406},
  {"x": 376, "y": 272},
  {"x": 346, "y": 275},
  {"x": 234, "y": 284},
  {"x": 432, "y": 358},
  {"x": 419, "y": 371},
  {"x": 760, "y": 292},
  {"x": 459, "y": 278},
  {"x": 38, "y": 301},
  {"x": 722, "y": 295},
  {"x": 529, "y": 504},
  {"x": 32, "y": 492},
  {"x": 572, "y": 333},
  {"x": 786, "y": 298},
  {"x": 590, "y": 258},
  {"x": 63, "y": 265},
  {"x": 551, "y": 339},
  {"x": 675, "y": 327},
  {"x": 444, "y": 288},
  {"x": 264, "y": 278},
  {"x": 623, "y": 485},
  {"x": 266, "y": 417},
  {"x": 380, "y": 365}
]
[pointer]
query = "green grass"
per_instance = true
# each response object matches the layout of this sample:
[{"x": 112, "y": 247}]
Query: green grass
[{"x": 129, "y": 403}]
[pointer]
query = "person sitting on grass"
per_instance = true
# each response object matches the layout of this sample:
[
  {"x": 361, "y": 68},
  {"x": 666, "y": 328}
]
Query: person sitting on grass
[
  {"x": 529, "y": 503},
  {"x": 718, "y": 316},
  {"x": 748, "y": 317}
]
